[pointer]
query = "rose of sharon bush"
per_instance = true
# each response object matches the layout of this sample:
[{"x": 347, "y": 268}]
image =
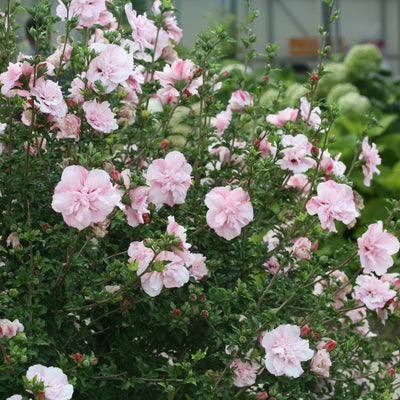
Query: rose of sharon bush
[
  {"x": 56, "y": 386},
  {"x": 285, "y": 350},
  {"x": 335, "y": 201},
  {"x": 84, "y": 197},
  {"x": 375, "y": 247},
  {"x": 229, "y": 211}
]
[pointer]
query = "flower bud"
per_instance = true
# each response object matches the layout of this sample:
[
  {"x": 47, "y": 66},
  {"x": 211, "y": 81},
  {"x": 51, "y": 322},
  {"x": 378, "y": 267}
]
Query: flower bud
[{"x": 331, "y": 345}]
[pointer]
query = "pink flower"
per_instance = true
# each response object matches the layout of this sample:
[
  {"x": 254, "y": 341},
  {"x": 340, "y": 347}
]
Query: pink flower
[
  {"x": 99, "y": 116},
  {"x": 169, "y": 179},
  {"x": 375, "y": 248},
  {"x": 301, "y": 248},
  {"x": 279, "y": 120},
  {"x": 372, "y": 159},
  {"x": 285, "y": 350},
  {"x": 265, "y": 147},
  {"x": 372, "y": 292},
  {"x": 229, "y": 211},
  {"x": 77, "y": 85},
  {"x": 84, "y": 196},
  {"x": 239, "y": 100},
  {"x": 332, "y": 166},
  {"x": 69, "y": 127},
  {"x": 112, "y": 67},
  {"x": 175, "y": 274},
  {"x": 335, "y": 201},
  {"x": 221, "y": 121},
  {"x": 245, "y": 372},
  {"x": 144, "y": 33},
  {"x": 199, "y": 269},
  {"x": 15, "y": 397},
  {"x": 262, "y": 395},
  {"x": 55, "y": 382},
  {"x": 297, "y": 154},
  {"x": 331, "y": 345},
  {"x": 10, "y": 78},
  {"x": 48, "y": 95},
  {"x": 139, "y": 203},
  {"x": 321, "y": 363},
  {"x": 315, "y": 119},
  {"x": 179, "y": 70},
  {"x": 88, "y": 11},
  {"x": 10, "y": 329},
  {"x": 301, "y": 182}
]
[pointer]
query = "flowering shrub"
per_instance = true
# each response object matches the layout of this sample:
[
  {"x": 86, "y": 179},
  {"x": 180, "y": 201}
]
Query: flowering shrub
[{"x": 160, "y": 239}]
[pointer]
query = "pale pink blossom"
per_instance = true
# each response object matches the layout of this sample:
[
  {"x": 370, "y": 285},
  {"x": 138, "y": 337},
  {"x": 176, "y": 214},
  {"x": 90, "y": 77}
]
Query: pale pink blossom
[
  {"x": 139, "y": 198},
  {"x": 357, "y": 315},
  {"x": 169, "y": 179},
  {"x": 301, "y": 248},
  {"x": 49, "y": 97},
  {"x": 372, "y": 292},
  {"x": 279, "y": 120},
  {"x": 271, "y": 237},
  {"x": 99, "y": 116},
  {"x": 244, "y": 372},
  {"x": 239, "y": 100},
  {"x": 372, "y": 159},
  {"x": 10, "y": 329},
  {"x": 335, "y": 201},
  {"x": 107, "y": 21},
  {"x": 77, "y": 86},
  {"x": 199, "y": 269},
  {"x": 174, "y": 32},
  {"x": 15, "y": 397},
  {"x": 375, "y": 247},
  {"x": 332, "y": 166},
  {"x": 229, "y": 211},
  {"x": 265, "y": 146},
  {"x": 69, "y": 127},
  {"x": 10, "y": 78},
  {"x": 112, "y": 67},
  {"x": 84, "y": 197},
  {"x": 88, "y": 11},
  {"x": 297, "y": 154},
  {"x": 313, "y": 117},
  {"x": 221, "y": 121},
  {"x": 175, "y": 274},
  {"x": 321, "y": 362},
  {"x": 144, "y": 34},
  {"x": 301, "y": 182},
  {"x": 168, "y": 95},
  {"x": 285, "y": 350},
  {"x": 56, "y": 386}
]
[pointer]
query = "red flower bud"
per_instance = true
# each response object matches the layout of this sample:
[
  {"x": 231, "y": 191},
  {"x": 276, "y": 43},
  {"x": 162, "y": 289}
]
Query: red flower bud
[
  {"x": 210, "y": 98},
  {"x": 305, "y": 330},
  {"x": 314, "y": 150},
  {"x": 41, "y": 395},
  {"x": 265, "y": 78},
  {"x": 146, "y": 218},
  {"x": 331, "y": 345},
  {"x": 71, "y": 102},
  {"x": 8, "y": 359},
  {"x": 226, "y": 73},
  {"x": 164, "y": 144},
  {"x": 392, "y": 372},
  {"x": 257, "y": 143},
  {"x": 317, "y": 336},
  {"x": 186, "y": 93},
  {"x": 262, "y": 395},
  {"x": 78, "y": 357},
  {"x": 314, "y": 246},
  {"x": 116, "y": 175},
  {"x": 314, "y": 78},
  {"x": 45, "y": 226},
  {"x": 199, "y": 71},
  {"x": 202, "y": 297},
  {"x": 176, "y": 313},
  {"x": 204, "y": 313}
]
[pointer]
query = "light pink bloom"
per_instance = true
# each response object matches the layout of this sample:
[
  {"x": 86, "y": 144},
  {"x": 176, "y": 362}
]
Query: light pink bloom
[
  {"x": 169, "y": 179},
  {"x": 375, "y": 247},
  {"x": 334, "y": 201},
  {"x": 55, "y": 382},
  {"x": 175, "y": 274},
  {"x": 245, "y": 372},
  {"x": 199, "y": 269},
  {"x": 372, "y": 292},
  {"x": 139, "y": 203},
  {"x": 10, "y": 78},
  {"x": 265, "y": 147},
  {"x": 48, "y": 95},
  {"x": 221, "y": 121},
  {"x": 69, "y": 127},
  {"x": 99, "y": 116},
  {"x": 15, "y": 397},
  {"x": 112, "y": 67},
  {"x": 332, "y": 166},
  {"x": 301, "y": 182},
  {"x": 229, "y": 211},
  {"x": 10, "y": 329},
  {"x": 297, "y": 154},
  {"x": 315, "y": 119},
  {"x": 84, "y": 196},
  {"x": 77, "y": 85},
  {"x": 301, "y": 248},
  {"x": 372, "y": 159},
  {"x": 285, "y": 350},
  {"x": 321, "y": 363},
  {"x": 239, "y": 100},
  {"x": 279, "y": 120},
  {"x": 144, "y": 34},
  {"x": 88, "y": 11},
  {"x": 360, "y": 314},
  {"x": 174, "y": 32}
]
